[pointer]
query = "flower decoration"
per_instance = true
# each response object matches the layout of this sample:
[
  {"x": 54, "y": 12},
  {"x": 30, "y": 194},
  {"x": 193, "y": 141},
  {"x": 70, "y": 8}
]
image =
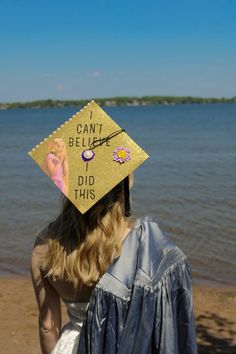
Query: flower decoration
[
  {"x": 121, "y": 154},
  {"x": 87, "y": 155}
]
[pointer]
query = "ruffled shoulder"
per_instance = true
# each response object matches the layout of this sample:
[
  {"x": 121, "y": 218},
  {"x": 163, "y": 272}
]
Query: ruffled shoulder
[
  {"x": 154, "y": 248},
  {"x": 160, "y": 317}
]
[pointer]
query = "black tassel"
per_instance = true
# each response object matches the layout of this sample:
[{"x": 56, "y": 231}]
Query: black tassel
[{"x": 127, "y": 197}]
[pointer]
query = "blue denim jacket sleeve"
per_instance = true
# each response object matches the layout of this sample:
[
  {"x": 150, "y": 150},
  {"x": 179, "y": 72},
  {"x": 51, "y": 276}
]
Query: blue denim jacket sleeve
[{"x": 150, "y": 310}]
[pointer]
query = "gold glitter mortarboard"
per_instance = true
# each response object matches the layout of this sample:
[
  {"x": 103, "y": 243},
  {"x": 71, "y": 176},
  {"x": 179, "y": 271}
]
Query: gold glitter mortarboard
[{"x": 87, "y": 156}]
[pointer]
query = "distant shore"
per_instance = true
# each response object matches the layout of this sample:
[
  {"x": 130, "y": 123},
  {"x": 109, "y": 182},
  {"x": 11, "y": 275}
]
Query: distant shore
[
  {"x": 118, "y": 101},
  {"x": 215, "y": 314}
]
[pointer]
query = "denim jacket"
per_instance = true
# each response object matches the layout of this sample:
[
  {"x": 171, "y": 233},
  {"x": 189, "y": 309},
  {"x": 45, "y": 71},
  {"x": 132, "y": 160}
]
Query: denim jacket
[{"x": 143, "y": 303}]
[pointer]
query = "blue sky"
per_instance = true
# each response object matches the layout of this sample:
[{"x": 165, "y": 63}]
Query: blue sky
[{"x": 87, "y": 49}]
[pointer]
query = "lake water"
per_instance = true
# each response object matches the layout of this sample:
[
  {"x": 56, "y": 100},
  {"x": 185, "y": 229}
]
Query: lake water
[{"x": 188, "y": 185}]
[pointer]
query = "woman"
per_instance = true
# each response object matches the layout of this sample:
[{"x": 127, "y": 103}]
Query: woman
[
  {"x": 127, "y": 287},
  {"x": 56, "y": 165}
]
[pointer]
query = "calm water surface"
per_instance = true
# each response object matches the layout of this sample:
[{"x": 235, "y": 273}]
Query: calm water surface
[{"x": 188, "y": 185}]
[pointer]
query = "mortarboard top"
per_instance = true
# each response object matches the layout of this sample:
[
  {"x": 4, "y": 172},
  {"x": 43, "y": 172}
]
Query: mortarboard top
[{"x": 87, "y": 156}]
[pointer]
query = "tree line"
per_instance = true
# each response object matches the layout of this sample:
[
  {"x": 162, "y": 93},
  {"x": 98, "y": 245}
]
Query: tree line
[{"x": 118, "y": 101}]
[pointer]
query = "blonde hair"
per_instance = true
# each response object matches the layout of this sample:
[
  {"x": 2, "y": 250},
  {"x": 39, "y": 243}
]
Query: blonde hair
[{"x": 82, "y": 246}]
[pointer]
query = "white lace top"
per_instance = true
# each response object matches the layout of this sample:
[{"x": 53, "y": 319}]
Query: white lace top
[{"x": 69, "y": 340}]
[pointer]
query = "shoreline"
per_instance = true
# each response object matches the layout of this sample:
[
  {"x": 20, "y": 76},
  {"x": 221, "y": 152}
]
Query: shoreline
[
  {"x": 117, "y": 101},
  {"x": 214, "y": 308}
]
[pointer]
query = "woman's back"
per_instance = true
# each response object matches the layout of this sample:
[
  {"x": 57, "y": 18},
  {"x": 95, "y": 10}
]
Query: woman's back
[
  {"x": 147, "y": 287},
  {"x": 64, "y": 288},
  {"x": 50, "y": 292}
]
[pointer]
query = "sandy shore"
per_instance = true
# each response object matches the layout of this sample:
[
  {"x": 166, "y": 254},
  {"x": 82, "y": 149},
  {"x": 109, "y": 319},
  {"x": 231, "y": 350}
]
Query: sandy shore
[{"x": 215, "y": 313}]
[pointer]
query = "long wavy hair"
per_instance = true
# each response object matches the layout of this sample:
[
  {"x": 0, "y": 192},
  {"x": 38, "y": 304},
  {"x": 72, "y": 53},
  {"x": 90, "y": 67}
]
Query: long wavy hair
[{"x": 82, "y": 246}]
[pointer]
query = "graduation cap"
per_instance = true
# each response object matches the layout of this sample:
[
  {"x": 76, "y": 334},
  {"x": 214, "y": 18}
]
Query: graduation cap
[{"x": 87, "y": 156}]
